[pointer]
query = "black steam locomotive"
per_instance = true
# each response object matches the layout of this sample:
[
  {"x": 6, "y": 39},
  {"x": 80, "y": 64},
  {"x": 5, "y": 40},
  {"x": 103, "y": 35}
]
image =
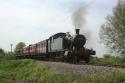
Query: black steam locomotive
[{"x": 61, "y": 46}]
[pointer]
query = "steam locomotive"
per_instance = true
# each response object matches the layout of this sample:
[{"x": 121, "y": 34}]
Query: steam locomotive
[{"x": 61, "y": 46}]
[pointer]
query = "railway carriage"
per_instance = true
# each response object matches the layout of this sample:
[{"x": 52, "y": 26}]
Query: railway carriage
[
  {"x": 42, "y": 47},
  {"x": 32, "y": 49}
]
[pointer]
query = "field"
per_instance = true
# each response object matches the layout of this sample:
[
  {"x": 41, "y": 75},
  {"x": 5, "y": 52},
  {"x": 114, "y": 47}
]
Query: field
[{"x": 29, "y": 71}]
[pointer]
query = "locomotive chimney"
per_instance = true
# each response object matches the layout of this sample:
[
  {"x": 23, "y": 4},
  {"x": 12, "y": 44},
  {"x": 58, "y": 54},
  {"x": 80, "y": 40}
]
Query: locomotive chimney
[{"x": 77, "y": 31}]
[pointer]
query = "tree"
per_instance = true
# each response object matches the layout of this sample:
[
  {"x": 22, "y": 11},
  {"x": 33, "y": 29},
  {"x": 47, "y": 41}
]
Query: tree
[
  {"x": 112, "y": 32},
  {"x": 2, "y": 52},
  {"x": 19, "y": 46}
]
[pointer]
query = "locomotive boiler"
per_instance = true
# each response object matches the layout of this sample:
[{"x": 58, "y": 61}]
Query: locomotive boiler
[
  {"x": 60, "y": 46},
  {"x": 79, "y": 40}
]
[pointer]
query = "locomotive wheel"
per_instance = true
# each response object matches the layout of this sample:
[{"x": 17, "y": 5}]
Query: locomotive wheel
[
  {"x": 17, "y": 57},
  {"x": 73, "y": 59},
  {"x": 78, "y": 59},
  {"x": 69, "y": 59},
  {"x": 87, "y": 59}
]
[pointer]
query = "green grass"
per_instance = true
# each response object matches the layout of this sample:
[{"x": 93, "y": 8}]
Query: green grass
[
  {"x": 23, "y": 70},
  {"x": 28, "y": 71},
  {"x": 113, "y": 60}
]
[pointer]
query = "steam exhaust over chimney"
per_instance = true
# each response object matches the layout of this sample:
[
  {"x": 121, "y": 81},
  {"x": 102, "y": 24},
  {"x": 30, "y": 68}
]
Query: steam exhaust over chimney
[{"x": 77, "y": 31}]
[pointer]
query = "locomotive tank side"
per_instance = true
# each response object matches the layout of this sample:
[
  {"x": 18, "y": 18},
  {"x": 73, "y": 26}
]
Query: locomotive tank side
[
  {"x": 55, "y": 42},
  {"x": 58, "y": 44}
]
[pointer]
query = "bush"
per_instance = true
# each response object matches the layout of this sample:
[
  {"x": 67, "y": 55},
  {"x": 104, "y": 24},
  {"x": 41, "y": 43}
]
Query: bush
[
  {"x": 109, "y": 59},
  {"x": 2, "y": 53},
  {"x": 96, "y": 60},
  {"x": 6, "y": 55}
]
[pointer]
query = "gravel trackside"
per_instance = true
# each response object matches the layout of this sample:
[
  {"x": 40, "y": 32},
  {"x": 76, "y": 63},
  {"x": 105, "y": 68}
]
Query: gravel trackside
[{"x": 65, "y": 68}]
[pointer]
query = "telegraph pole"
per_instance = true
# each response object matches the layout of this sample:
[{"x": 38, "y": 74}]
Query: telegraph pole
[{"x": 11, "y": 47}]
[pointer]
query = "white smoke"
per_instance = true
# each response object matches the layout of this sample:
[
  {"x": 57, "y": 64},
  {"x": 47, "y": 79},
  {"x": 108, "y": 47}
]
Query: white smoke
[
  {"x": 79, "y": 22},
  {"x": 78, "y": 17}
]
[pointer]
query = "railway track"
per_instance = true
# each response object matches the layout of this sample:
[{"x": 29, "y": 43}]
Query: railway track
[
  {"x": 92, "y": 64},
  {"x": 105, "y": 65}
]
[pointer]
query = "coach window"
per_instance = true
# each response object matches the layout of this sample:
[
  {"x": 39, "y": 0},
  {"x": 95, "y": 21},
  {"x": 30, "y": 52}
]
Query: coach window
[
  {"x": 44, "y": 44},
  {"x": 52, "y": 40},
  {"x": 41, "y": 45},
  {"x": 30, "y": 48}
]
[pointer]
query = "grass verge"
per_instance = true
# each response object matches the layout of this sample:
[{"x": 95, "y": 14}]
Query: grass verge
[{"x": 28, "y": 71}]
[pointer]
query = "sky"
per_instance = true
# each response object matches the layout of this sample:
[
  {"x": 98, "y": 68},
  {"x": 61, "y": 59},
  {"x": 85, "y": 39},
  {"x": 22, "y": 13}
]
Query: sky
[{"x": 31, "y": 21}]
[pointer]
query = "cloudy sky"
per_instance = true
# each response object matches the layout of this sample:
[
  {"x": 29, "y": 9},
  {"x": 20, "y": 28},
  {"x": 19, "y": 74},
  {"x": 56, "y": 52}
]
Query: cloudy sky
[{"x": 31, "y": 21}]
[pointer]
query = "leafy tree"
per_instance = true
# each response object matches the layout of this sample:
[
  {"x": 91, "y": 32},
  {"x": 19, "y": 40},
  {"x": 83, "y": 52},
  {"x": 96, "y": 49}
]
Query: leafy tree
[
  {"x": 112, "y": 32},
  {"x": 19, "y": 46},
  {"x": 2, "y": 52}
]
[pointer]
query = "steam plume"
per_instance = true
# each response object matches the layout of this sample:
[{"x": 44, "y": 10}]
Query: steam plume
[
  {"x": 79, "y": 21},
  {"x": 78, "y": 17}
]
